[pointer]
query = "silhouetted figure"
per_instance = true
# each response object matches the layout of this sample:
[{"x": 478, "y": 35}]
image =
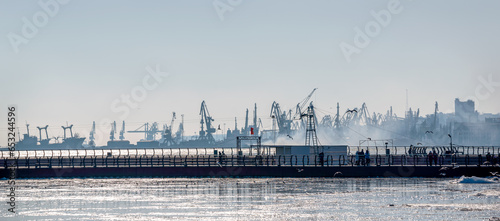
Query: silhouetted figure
[
  {"x": 435, "y": 157},
  {"x": 357, "y": 157},
  {"x": 321, "y": 158},
  {"x": 220, "y": 158},
  {"x": 430, "y": 157},
  {"x": 367, "y": 157},
  {"x": 362, "y": 157}
]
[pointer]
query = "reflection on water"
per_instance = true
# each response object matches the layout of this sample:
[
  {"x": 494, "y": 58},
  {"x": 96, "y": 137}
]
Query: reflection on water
[{"x": 261, "y": 199}]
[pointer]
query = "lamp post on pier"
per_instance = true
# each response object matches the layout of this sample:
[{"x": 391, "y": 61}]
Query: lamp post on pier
[{"x": 451, "y": 142}]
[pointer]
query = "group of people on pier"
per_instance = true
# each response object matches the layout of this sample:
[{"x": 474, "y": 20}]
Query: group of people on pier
[
  {"x": 222, "y": 158},
  {"x": 432, "y": 157},
  {"x": 363, "y": 158},
  {"x": 491, "y": 159}
]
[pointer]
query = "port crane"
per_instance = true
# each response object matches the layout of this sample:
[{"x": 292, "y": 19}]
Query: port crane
[
  {"x": 336, "y": 125},
  {"x": 246, "y": 130},
  {"x": 300, "y": 107},
  {"x": 113, "y": 131},
  {"x": 206, "y": 120},
  {"x": 282, "y": 119},
  {"x": 180, "y": 131},
  {"x": 168, "y": 139},
  {"x": 357, "y": 116},
  {"x": 122, "y": 131},
  {"x": 255, "y": 123},
  {"x": 149, "y": 131},
  {"x": 92, "y": 135}
]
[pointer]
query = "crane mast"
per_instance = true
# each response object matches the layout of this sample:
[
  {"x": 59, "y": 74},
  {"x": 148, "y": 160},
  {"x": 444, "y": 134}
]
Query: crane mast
[
  {"x": 246, "y": 131},
  {"x": 149, "y": 131},
  {"x": 303, "y": 103},
  {"x": 311, "y": 137},
  {"x": 92, "y": 135},
  {"x": 282, "y": 119},
  {"x": 122, "y": 131},
  {"x": 255, "y": 126},
  {"x": 168, "y": 138},
  {"x": 180, "y": 131},
  {"x": 113, "y": 131},
  {"x": 206, "y": 120},
  {"x": 337, "y": 117}
]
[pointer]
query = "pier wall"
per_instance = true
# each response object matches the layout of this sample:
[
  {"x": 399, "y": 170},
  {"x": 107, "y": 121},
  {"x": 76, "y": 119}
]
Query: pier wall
[{"x": 255, "y": 171}]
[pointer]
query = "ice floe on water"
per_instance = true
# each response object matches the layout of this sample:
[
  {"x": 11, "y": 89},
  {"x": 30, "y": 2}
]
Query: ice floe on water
[
  {"x": 488, "y": 193},
  {"x": 474, "y": 179},
  {"x": 454, "y": 206}
]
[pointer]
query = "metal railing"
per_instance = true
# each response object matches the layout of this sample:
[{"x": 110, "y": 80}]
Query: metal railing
[
  {"x": 421, "y": 150},
  {"x": 374, "y": 150},
  {"x": 157, "y": 160}
]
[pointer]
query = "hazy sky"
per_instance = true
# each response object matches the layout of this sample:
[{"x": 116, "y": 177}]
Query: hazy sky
[{"x": 85, "y": 55}]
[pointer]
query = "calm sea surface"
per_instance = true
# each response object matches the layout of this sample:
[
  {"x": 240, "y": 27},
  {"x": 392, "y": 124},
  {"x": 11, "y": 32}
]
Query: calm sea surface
[{"x": 252, "y": 199}]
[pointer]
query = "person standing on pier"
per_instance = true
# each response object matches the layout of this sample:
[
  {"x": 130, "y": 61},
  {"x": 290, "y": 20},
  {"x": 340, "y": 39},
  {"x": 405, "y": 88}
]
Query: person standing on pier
[
  {"x": 367, "y": 157},
  {"x": 357, "y": 157},
  {"x": 362, "y": 157},
  {"x": 322, "y": 159},
  {"x": 488, "y": 157},
  {"x": 430, "y": 157},
  {"x": 435, "y": 157},
  {"x": 220, "y": 159}
]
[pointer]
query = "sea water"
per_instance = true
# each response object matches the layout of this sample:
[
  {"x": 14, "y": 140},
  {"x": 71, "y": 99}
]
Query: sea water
[{"x": 254, "y": 199}]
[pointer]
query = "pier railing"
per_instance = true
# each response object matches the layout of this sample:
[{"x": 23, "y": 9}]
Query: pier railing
[
  {"x": 128, "y": 152},
  {"x": 144, "y": 160},
  {"x": 374, "y": 150},
  {"x": 421, "y": 150}
]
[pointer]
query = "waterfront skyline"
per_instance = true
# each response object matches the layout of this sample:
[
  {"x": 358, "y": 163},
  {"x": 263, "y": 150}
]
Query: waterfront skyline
[{"x": 79, "y": 63}]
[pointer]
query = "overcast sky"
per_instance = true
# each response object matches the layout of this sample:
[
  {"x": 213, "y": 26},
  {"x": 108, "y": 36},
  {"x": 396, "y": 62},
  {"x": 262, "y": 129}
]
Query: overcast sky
[{"x": 74, "y": 62}]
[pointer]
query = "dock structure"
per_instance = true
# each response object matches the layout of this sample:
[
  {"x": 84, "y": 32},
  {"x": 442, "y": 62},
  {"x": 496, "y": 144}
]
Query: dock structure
[{"x": 277, "y": 161}]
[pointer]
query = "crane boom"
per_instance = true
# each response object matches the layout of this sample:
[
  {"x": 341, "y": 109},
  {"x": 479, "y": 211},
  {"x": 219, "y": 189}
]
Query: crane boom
[
  {"x": 113, "y": 131},
  {"x": 206, "y": 120},
  {"x": 122, "y": 131},
  {"x": 303, "y": 103}
]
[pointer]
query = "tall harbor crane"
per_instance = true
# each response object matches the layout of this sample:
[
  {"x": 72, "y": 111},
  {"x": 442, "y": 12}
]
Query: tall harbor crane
[
  {"x": 167, "y": 135},
  {"x": 435, "y": 123},
  {"x": 246, "y": 130},
  {"x": 180, "y": 131},
  {"x": 283, "y": 120},
  {"x": 92, "y": 135},
  {"x": 206, "y": 120},
  {"x": 255, "y": 126},
  {"x": 300, "y": 106},
  {"x": 122, "y": 131},
  {"x": 336, "y": 123},
  {"x": 149, "y": 131},
  {"x": 359, "y": 116},
  {"x": 113, "y": 131}
]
